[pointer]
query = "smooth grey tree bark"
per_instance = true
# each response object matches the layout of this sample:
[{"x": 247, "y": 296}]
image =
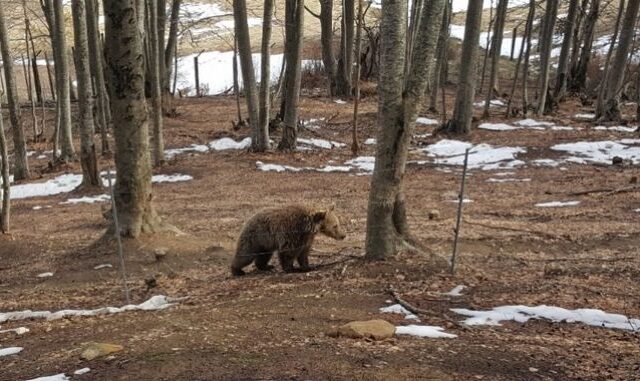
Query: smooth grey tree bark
[
  {"x": 466, "y": 91},
  {"x": 123, "y": 44},
  {"x": 294, "y": 20},
  {"x": 265, "y": 75},
  {"x": 155, "y": 57},
  {"x": 399, "y": 99},
  {"x": 259, "y": 140},
  {"x": 68, "y": 152},
  {"x": 345, "y": 60},
  {"x": 608, "y": 109},
  {"x": 567, "y": 43},
  {"x": 88, "y": 159},
  {"x": 496, "y": 48},
  {"x": 5, "y": 213},
  {"x": 546, "y": 45},
  {"x": 326, "y": 39},
  {"x": 21, "y": 165},
  {"x": 96, "y": 60}
]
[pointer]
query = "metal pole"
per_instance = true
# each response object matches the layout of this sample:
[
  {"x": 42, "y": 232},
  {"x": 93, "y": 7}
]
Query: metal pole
[
  {"x": 459, "y": 217},
  {"x": 118, "y": 237}
]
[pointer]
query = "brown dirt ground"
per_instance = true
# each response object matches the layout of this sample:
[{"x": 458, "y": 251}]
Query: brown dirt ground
[{"x": 271, "y": 326}]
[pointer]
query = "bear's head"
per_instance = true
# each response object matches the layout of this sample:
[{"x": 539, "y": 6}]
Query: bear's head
[{"x": 329, "y": 224}]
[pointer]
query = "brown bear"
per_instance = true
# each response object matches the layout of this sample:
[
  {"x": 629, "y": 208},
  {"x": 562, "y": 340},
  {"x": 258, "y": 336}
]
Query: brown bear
[{"x": 288, "y": 231}]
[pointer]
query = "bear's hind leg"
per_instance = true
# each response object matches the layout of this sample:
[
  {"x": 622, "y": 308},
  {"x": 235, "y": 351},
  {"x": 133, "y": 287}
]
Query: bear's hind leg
[
  {"x": 262, "y": 261},
  {"x": 303, "y": 260}
]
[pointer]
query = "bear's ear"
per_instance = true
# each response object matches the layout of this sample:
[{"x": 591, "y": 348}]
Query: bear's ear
[{"x": 319, "y": 216}]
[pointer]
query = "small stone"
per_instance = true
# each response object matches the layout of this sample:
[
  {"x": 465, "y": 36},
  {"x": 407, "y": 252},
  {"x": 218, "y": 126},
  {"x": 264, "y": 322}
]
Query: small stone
[
  {"x": 160, "y": 253},
  {"x": 617, "y": 160},
  {"x": 94, "y": 350},
  {"x": 533, "y": 370},
  {"x": 434, "y": 214},
  {"x": 370, "y": 329}
]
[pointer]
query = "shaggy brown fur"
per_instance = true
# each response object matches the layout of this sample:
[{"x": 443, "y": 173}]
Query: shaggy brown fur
[{"x": 288, "y": 231}]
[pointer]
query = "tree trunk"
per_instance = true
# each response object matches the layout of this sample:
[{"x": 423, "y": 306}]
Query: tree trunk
[
  {"x": 161, "y": 28},
  {"x": 441, "y": 58},
  {"x": 5, "y": 192},
  {"x": 172, "y": 43},
  {"x": 356, "y": 104},
  {"x": 496, "y": 48},
  {"x": 546, "y": 45},
  {"x": 294, "y": 10},
  {"x": 95, "y": 59},
  {"x": 527, "y": 56},
  {"x": 608, "y": 108},
  {"x": 326, "y": 38},
  {"x": 265, "y": 75},
  {"x": 345, "y": 62},
  {"x": 398, "y": 108},
  {"x": 567, "y": 43},
  {"x": 466, "y": 92},
  {"x": 579, "y": 73},
  {"x": 88, "y": 160},
  {"x": 607, "y": 64},
  {"x": 130, "y": 120},
  {"x": 525, "y": 38},
  {"x": 63, "y": 83},
  {"x": 248, "y": 75},
  {"x": 155, "y": 82},
  {"x": 21, "y": 170},
  {"x": 488, "y": 48}
]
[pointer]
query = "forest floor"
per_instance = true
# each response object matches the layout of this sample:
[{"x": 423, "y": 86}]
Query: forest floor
[{"x": 271, "y": 326}]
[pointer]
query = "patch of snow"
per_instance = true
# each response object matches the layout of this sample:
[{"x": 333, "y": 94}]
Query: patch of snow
[
  {"x": 340, "y": 102},
  {"x": 82, "y": 371},
  {"x": 494, "y": 180},
  {"x": 427, "y": 121},
  {"x": 465, "y": 201},
  {"x": 155, "y": 303},
  {"x": 585, "y": 116},
  {"x": 522, "y": 314},
  {"x": 562, "y": 128},
  {"x": 17, "y": 331},
  {"x": 600, "y": 152},
  {"x": 321, "y": 143},
  {"x": 334, "y": 168},
  {"x": 199, "y": 148},
  {"x": 637, "y": 210},
  {"x": 497, "y": 127},
  {"x": 615, "y": 128},
  {"x": 532, "y": 123},
  {"x": 103, "y": 266},
  {"x": 170, "y": 178},
  {"x": 370, "y": 141},
  {"x": 399, "y": 309},
  {"x": 10, "y": 351},
  {"x": 364, "y": 163},
  {"x": 429, "y": 331},
  {"x": 88, "y": 199},
  {"x": 481, "y": 156},
  {"x": 557, "y": 204},
  {"x": 492, "y": 103},
  {"x": 545, "y": 163},
  {"x": 55, "y": 377},
  {"x": 228, "y": 143},
  {"x": 276, "y": 167},
  {"x": 44, "y": 275},
  {"x": 456, "y": 291}
]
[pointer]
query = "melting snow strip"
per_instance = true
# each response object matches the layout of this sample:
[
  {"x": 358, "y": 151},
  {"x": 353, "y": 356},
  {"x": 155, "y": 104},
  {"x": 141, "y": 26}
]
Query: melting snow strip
[
  {"x": 399, "y": 309},
  {"x": 424, "y": 331},
  {"x": 55, "y": 377},
  {"x": 557, "y": 204},
  {"x": 155, "y": 303},
  {"x": 522, "y": 314},
  {"x": 82, "y": 371},
  {"x": 10, "y": 351}
]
